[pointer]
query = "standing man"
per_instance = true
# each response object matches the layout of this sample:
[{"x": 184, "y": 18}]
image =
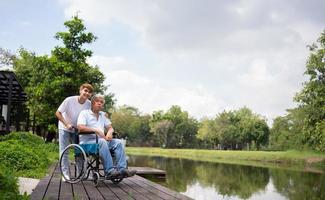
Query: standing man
[
  {"x": 94, "y": 120},
  {"x": 67, "y": 114}
]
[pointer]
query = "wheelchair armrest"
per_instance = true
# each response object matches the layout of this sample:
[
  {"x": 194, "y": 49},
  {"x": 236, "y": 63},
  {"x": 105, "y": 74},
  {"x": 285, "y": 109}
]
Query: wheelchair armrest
[{"x": 87, "y": 133}]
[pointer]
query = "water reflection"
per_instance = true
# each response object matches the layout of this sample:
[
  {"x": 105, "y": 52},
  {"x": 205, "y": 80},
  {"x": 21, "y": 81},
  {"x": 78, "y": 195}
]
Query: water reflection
[{"x": 205, "y": 180}]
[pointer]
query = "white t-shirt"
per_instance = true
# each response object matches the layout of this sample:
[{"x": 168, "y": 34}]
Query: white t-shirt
[
  {"x": 89, "y": 119},
  {"x": 70, "y": 109}
]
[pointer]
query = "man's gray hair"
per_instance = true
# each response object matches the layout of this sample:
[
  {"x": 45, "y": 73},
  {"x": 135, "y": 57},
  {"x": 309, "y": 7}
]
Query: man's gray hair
[{"x": 97, "y": 96}]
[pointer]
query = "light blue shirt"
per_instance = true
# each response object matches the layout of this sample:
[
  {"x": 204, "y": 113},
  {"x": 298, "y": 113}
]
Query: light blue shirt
[{"x": 89, "y": 119}]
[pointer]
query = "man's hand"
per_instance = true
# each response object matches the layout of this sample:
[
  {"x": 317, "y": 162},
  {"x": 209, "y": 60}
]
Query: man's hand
[
  {"x": 109, "y": 136},
  {"x": 69, "y": 126},
  {"x": 99, "y": 132}
]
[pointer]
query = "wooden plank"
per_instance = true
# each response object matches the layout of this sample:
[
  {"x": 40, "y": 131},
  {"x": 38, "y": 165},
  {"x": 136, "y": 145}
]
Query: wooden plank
[
  {"x": 160, "y": 189},
  {"x": 132, "y": 192},
  {"x": 140, "y": 193},
  {"x": 79, "y": 191},
  {"x": 41, "y": 188},
  {"x": 92, "y": 191},
  {"x": 148, "y": 171},
  {"x": 152, "y": 190},
  {"x": 53, "y": 191},
  {"x": 106, "y": 191},
  {"x": 118, "y": 191},
  {"x": 136, "y": 187},
  {"x": 66, "y": 191}
]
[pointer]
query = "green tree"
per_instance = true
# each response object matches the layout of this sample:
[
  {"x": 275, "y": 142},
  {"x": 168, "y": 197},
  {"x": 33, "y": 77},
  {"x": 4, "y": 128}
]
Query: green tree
[
  {"x": 6, "y": 58},
  {"x": 253, "y": 128},
  {"x": 174, "y": 128},
  {"x": 207, "y": 133},
  {"x": 287, "y": 131},
  {"x": 163, "y": 130},
  {"x": 47, "y": 80},
  {"x": 228, "y": 130},
  {"x": 125, "y": 121},
  {"x": 312, "y": 97},
  {"x": 109, "y": 103},
  {"x": 129, "y": 122},
  {"x": 235, "y": 130}
]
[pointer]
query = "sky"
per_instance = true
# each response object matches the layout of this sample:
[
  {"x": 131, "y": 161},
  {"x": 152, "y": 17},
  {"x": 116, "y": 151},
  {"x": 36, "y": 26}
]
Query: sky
[{"x": 206, "y": 56}]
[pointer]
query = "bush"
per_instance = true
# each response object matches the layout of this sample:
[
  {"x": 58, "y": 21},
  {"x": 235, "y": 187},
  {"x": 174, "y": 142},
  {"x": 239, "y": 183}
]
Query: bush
[
  {"x": 23, "y": 154},
  {"x": 22, "y": 157},
  {"x": 27, "y": 154},
  {"x": 8, "y": 185},
  {"x": 24, "y": 138}
]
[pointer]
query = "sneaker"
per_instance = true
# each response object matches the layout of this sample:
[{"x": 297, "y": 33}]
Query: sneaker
[
  {"x": 112, "y": 175},
  {"x": 128, "y": 173},
  {"x": 65, "y": 178}
]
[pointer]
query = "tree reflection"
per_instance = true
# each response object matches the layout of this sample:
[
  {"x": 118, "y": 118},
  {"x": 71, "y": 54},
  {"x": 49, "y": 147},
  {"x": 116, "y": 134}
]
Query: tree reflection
[
  {"x": 231, "y": 180},
  {"x": 228, "y": 180},
  {"x": 236, "y": 180},
  {"x": 298, "y": 185}
]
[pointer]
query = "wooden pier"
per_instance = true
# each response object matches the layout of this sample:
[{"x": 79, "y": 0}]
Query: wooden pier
[
  {"x": 136, "y": 187},
  {"x": 149, "y": 172}
]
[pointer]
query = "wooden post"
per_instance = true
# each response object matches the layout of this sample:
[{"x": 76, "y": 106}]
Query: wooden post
[
  {"x": 19, "y": 111},
  {"x": 9, "y": 104},
  {"x": 27, "y": 121},
  {"x": 33, "y": 123}
]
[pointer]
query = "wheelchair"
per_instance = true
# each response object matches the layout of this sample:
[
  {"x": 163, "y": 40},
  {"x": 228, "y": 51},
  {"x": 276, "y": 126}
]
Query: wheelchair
[{"x": 84, "y": 162}]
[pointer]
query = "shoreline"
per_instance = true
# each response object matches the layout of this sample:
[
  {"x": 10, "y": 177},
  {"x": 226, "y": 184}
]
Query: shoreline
[{"x": 292, "y": 160}]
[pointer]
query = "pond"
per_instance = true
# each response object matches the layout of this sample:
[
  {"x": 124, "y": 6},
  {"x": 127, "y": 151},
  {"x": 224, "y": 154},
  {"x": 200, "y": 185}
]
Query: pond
[{"x": 207, "y": 180}]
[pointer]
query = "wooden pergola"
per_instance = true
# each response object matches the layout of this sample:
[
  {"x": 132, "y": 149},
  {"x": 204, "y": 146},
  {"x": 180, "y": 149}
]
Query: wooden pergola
[{"x": 11, "y": 94}]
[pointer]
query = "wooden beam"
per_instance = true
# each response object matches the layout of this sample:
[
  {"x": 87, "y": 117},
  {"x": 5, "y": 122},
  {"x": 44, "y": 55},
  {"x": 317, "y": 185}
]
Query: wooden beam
[{"x": 9, "y": 104}]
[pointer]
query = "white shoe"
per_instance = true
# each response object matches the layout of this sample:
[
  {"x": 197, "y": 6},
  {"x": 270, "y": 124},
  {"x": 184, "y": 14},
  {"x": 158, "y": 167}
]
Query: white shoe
[{"x": 65, "y": 178}]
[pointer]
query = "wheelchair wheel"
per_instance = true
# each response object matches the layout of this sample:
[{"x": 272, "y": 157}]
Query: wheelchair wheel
[
  {"x": 76, "y": 163},
  {"x": 96, "y": 178}
]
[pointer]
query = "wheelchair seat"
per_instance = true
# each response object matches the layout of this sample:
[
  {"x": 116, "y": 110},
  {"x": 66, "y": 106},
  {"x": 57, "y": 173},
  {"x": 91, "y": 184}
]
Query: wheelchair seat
[{"x": 90, "y": 149}]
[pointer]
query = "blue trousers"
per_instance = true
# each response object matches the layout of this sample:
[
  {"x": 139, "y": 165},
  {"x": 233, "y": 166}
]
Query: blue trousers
[
  {"x": 65, "y": 138},
  {"x": 104, "y": 152}
]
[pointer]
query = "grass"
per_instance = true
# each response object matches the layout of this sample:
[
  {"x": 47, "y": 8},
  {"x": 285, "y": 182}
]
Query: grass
[{"x": 293, "y": 159}]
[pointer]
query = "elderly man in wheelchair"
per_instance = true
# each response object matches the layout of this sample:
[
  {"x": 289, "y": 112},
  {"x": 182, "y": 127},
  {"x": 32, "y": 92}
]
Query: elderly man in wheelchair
[{"x": 94, "y": 146}]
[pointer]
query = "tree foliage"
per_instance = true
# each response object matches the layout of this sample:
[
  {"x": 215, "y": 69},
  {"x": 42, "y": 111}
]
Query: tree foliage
[
  {"x": 129, "y": 122},
  {"x": 47, "y": 80},
  {"x": 6, "y": 58},
  {"x": 175, "y": 128},
  {"x": 312, "y": 97},
  {"x": 287, "y": 131},
  {"x": 235, "y": 130}
]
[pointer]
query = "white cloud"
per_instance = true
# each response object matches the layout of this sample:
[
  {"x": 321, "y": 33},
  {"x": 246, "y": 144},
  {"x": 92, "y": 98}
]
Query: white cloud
[
  {"x": 151, "y": 95},
  {"x": 25, "y": 23},
  {"x": 208, "y": 55}
]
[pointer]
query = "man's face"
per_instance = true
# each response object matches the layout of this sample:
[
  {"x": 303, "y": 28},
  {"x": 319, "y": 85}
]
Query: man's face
[
  {"x": 98, "y": 104},
  {"x": 85, "y": 93}
]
